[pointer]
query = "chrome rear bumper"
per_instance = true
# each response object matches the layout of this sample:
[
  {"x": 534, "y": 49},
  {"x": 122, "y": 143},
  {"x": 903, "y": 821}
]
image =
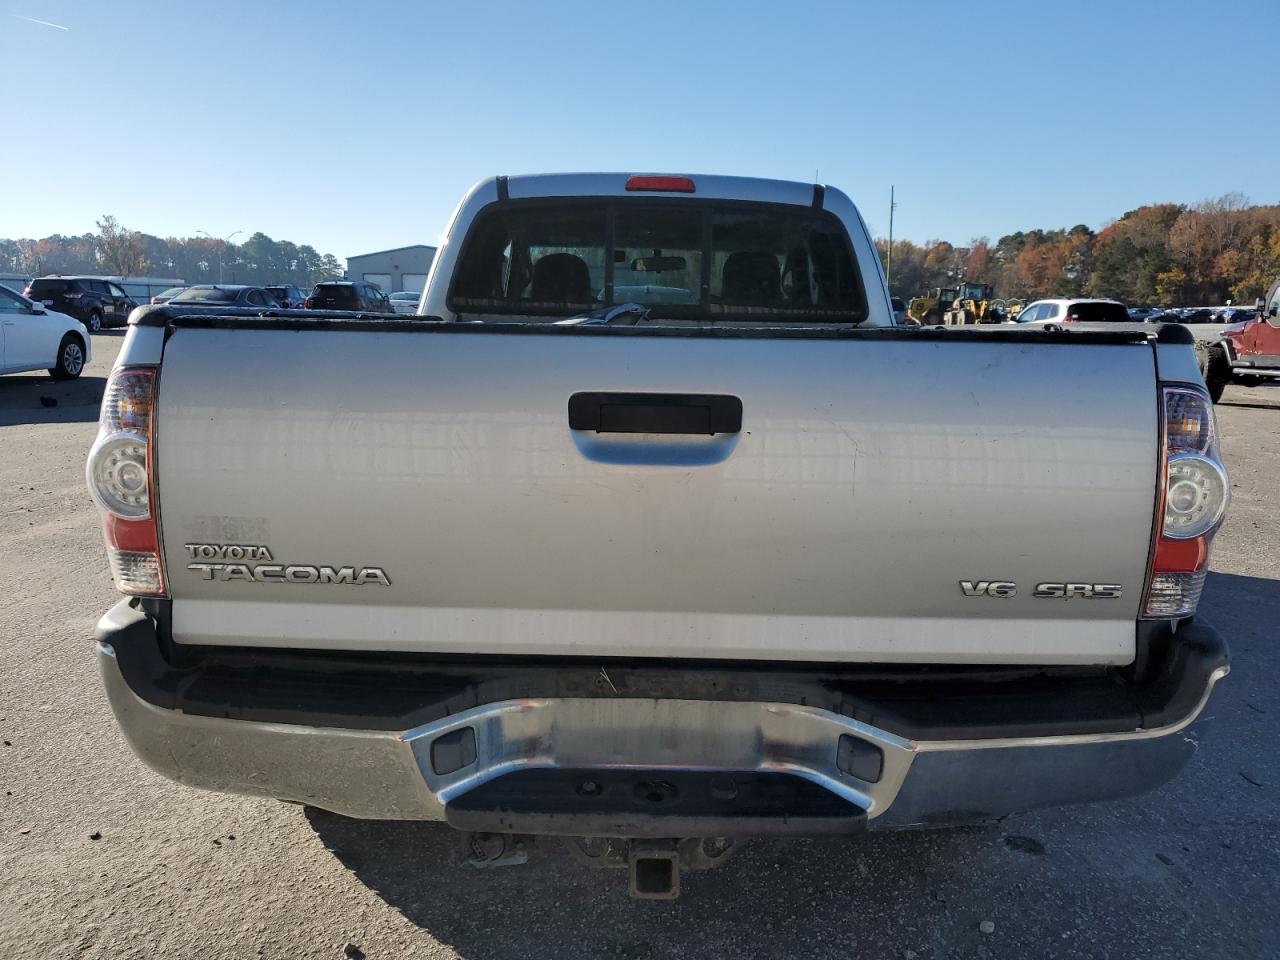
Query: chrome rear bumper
[{"x": 416, "y": 774}]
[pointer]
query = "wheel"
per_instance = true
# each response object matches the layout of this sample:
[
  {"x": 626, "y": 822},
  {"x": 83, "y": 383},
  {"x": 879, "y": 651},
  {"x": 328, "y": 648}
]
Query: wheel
[
  {"x": 95, "y": 321},
  {"x": 1217, "y": 374},
  {"x": 70, "y": 362}
]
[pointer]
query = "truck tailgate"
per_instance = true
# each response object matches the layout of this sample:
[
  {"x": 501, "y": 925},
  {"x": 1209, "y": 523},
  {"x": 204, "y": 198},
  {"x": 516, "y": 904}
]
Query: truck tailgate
[{"x": 870, "y": 477}]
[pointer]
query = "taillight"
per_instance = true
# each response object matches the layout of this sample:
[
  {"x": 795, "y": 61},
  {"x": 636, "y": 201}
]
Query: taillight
[
  {"x": 309, "y": 303},
  {"x": 72, "y": 295},
  {"x": 1194, "y": 493},
  {"x": 121, "y": 476},
  {"x": 661, "y": 184}
]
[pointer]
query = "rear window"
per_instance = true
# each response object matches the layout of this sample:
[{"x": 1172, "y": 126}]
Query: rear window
[
  {"x": 46, "y": 288},
  {"x": 682, "y": 259},
  {"x": 1094, "y": 312},
  {"x": 197, "y": 295},
  {"x": 326, "y": 291}
]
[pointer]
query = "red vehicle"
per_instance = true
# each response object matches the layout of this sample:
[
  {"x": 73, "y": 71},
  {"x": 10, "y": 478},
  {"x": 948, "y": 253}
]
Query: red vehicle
[{"x": 1248, "y": 351}]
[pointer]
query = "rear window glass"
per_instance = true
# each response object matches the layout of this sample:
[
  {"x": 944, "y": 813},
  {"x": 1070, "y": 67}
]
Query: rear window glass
[
  {"x": 49, "y": 287},
  {"x": 1099, "y": 312},
  {"x": 334, "y": 292},
  {"x": 197, "y": 295},
  {"x": 681, "y": 259}
]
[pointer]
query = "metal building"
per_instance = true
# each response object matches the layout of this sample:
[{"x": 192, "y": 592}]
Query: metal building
[{"x": 404, "y": 268}]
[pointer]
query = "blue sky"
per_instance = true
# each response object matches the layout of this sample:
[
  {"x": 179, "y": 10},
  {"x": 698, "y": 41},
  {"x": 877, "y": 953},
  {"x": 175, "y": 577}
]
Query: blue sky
[{"x": 357, "y": 126}]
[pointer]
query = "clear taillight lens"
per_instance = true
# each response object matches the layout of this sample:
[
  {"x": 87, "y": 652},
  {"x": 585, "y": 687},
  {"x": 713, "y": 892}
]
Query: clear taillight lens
[
  {"x": 137, "y": 574},
  {"x": 121, "y": 473},
  {"x": 1194, "y": 494},
  {"x": 118, "y": 475},
  {"x": 1174, "y": 594}
]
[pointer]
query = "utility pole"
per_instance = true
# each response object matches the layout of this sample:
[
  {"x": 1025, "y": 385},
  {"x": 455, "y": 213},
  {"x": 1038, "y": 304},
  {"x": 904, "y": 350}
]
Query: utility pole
[{"x": 888, "y": 267}]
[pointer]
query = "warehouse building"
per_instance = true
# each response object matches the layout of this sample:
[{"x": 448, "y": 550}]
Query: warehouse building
[{"x": 404, "y": 268}]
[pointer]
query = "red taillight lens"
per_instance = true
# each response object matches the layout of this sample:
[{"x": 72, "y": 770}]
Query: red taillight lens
[
  {"x": 1194, "y": 494},
  {"x": 661, "y": 184},
  {"x": 309, "y": 303},
  {"x": 121, "y": 477}
]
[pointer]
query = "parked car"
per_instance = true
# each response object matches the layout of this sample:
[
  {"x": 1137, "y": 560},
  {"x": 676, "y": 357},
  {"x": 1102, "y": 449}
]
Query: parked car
[
  {"x": 1249, "y": 351},
  {"x": 226, "y": 295},
  {"x": 33, "y": 337},
  {"x": 348, "y": 295},
  {"x": 1065, "y": 311},
  {"x": 1197, "y": 315},
  {"x": 1235, "y": 314},
  {"x": 406, "y": 301},
  {"x": 667, "y": 571},
  {"x": 95, "y": 302},
  {"x": 1142, "y": 313},
  {"x": 164, "y": 296},
  {"x": 288, "y": 296}
]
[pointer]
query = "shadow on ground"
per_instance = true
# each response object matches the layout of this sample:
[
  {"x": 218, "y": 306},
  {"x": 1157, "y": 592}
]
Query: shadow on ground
[
  {"x": 771, "y": 898},
  {"x": 38, "y": 398}
]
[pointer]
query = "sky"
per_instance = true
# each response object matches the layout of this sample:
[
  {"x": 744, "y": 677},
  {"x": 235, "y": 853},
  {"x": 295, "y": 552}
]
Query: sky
[{"x": 357, "y": 126}]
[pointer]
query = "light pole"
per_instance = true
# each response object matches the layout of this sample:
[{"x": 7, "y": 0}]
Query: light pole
[
  {"x": 888, "y": 267},
  {"x": 222, "y": 246}
]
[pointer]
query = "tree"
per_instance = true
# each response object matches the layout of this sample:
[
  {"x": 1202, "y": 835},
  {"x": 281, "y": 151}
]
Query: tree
[
  {"x": 1172, "y": 285},
  {"x": 120, "y": 249}
]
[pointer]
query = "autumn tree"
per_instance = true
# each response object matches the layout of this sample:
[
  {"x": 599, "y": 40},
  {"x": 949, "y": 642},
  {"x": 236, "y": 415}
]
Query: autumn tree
[{"x": 119, "y": 248}]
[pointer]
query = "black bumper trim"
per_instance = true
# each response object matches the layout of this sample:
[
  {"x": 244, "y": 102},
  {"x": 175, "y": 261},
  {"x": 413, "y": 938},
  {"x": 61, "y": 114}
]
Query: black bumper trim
[{"x": 378, "y": 691}]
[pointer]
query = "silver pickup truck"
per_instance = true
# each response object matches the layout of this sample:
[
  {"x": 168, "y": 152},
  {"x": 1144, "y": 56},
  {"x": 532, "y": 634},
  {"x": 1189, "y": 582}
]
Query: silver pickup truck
[{"x": 655, "y": 532}]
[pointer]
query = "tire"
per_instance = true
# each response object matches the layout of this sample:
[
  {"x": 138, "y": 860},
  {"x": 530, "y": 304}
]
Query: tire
[
  {"x": 94, "y": 322},
  {"x": 70, "y": 360},
  {"x": 1217, "y": 374}
]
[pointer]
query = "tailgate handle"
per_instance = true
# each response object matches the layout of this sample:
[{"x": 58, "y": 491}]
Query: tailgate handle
[{"x": 686, "y": 413}]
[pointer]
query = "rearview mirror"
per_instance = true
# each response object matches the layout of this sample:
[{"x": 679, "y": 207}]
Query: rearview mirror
[
  {"x": 658, "y": 264},
  {"x": 37, "y": 308}
]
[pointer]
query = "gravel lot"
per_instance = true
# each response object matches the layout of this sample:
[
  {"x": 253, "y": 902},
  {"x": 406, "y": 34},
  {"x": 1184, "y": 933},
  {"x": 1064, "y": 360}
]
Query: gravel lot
[{"x": 99, "y": 857}]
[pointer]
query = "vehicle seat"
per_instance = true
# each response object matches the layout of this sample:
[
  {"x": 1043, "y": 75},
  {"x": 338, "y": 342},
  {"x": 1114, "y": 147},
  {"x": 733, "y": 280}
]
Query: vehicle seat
[
  {"x": 751, "y": 277},
  {"x": 561, "y": 278}
]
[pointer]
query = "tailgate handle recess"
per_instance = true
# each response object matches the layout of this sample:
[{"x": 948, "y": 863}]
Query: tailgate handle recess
[{"x": 685, "y": 413}]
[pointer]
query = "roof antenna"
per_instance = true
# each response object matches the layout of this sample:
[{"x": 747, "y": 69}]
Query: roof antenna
[{"x": 815, "y": 175}]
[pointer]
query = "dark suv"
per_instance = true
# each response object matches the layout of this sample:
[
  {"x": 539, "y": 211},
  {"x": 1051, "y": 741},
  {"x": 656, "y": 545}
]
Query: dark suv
[
  {"x": 95, "y": 302},
  {"x": 288, "y": 296},
  {"x": 349, "y": 295}
]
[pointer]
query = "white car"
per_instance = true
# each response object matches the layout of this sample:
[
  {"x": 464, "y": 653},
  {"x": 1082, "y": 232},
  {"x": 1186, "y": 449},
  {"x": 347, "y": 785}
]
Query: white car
[
  {"x": 1090, "y": 311},
  {"x": 406, "y": 301},
  {"x": 34, "y": 338}
]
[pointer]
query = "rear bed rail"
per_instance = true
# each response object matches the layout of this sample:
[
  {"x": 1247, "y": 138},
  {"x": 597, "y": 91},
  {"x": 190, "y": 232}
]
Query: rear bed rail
[{"x": 163, "y": 315}]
